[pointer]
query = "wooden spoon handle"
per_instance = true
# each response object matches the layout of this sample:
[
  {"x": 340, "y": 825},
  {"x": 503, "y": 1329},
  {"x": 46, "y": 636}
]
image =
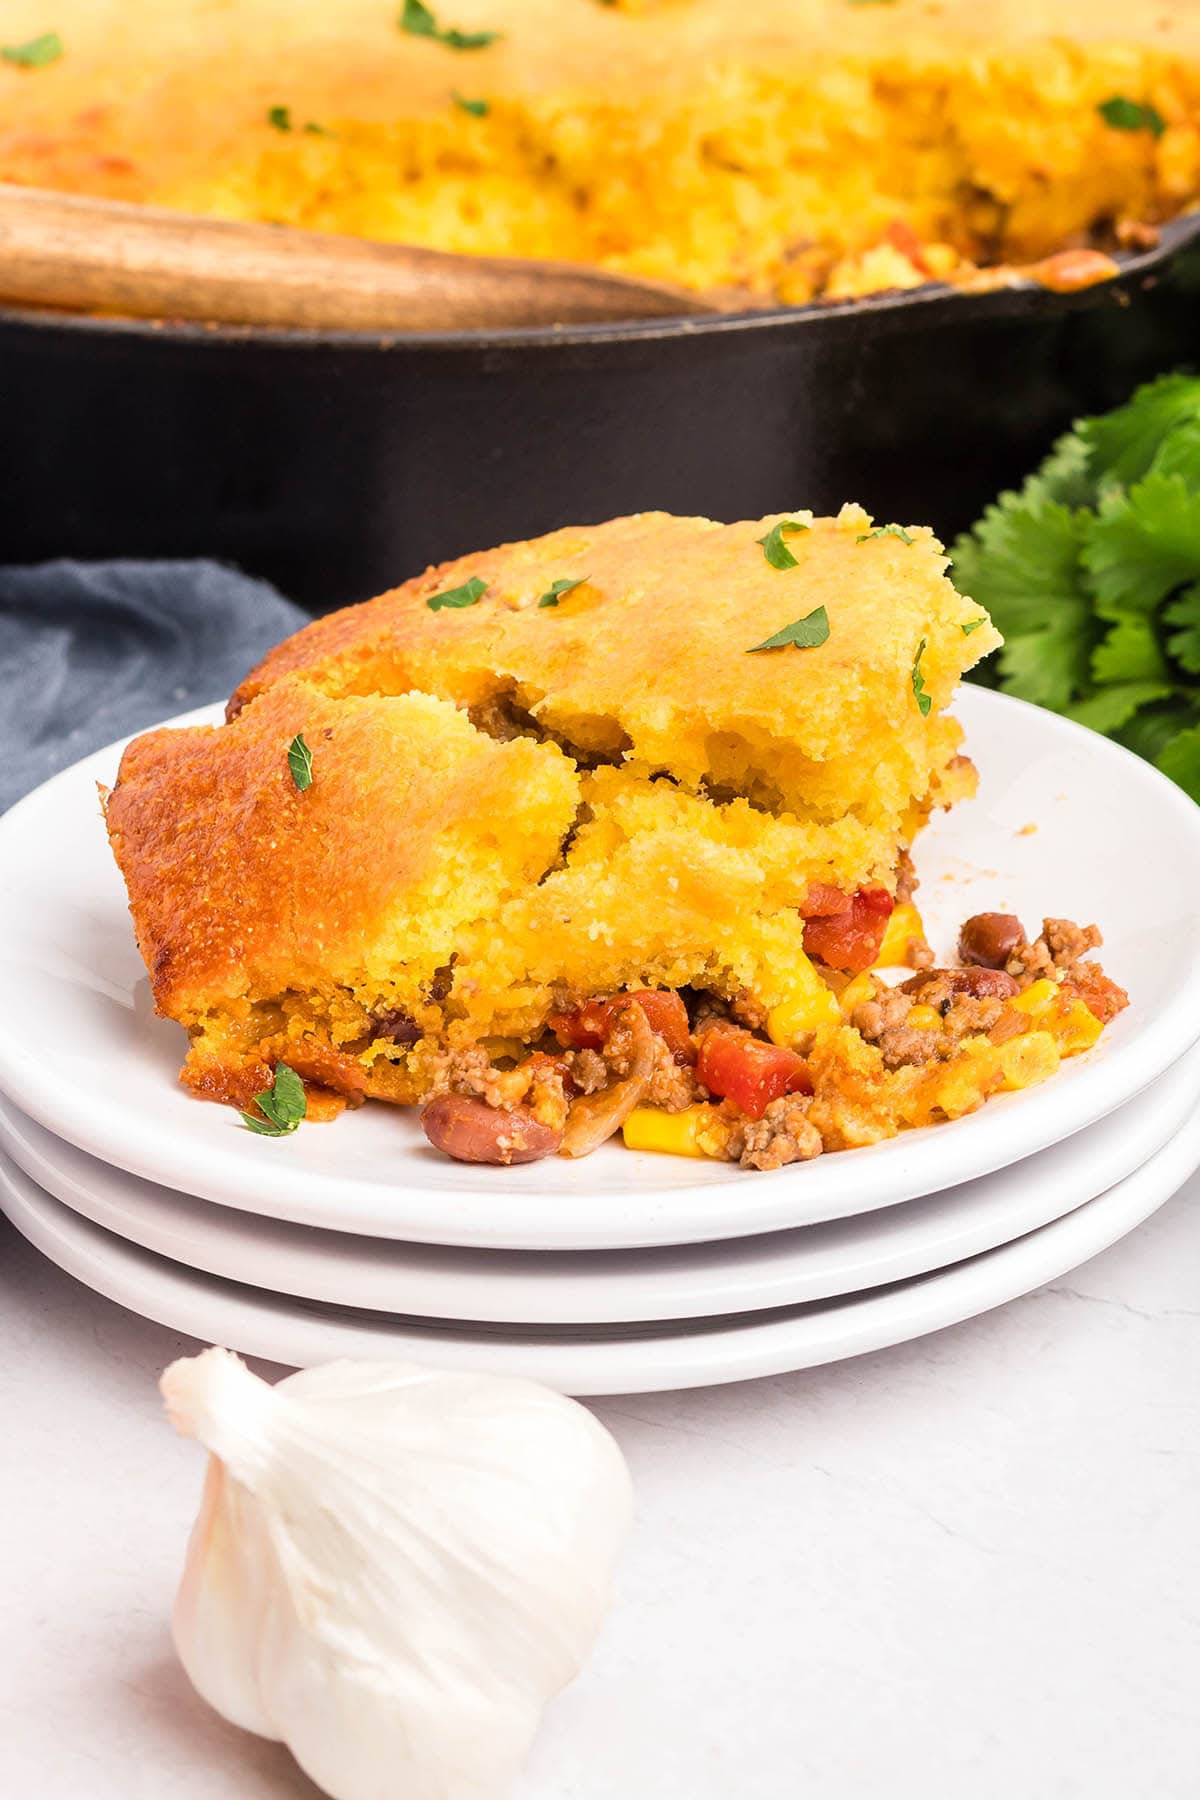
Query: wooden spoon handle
[{"x": 79, "y": 254}]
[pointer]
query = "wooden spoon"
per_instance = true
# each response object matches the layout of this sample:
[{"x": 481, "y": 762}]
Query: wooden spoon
[{"x": 79, "y": 254}]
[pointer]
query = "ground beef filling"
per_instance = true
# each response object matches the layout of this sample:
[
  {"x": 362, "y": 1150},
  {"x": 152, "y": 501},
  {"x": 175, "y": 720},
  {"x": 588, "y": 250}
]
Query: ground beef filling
[
  {"x": 785, "y": 1134},
  {"x": 642, "y": 1049}
]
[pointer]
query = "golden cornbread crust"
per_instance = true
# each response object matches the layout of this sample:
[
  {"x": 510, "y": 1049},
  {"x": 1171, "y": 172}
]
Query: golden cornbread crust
[
  {"x": 792, "y": 149},
  {"x": 561, "y": 773}
]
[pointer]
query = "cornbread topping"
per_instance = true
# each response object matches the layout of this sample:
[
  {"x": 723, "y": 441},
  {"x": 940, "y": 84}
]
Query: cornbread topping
[
  {"x": 628, "y": 862},
  {"x": 791, "y": 150}
]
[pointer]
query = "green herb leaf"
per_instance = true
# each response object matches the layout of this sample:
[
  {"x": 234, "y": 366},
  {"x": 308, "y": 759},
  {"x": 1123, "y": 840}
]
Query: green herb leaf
[
  {"x": 1142, "y": 545},
  {"x": 1130, "y": 652},
  {"x": 557, "y": 589},
  {"x": 1181, "y": 760},
  {"x": 896, "y": 531},
  {"x": 1124, "y": 114},
  {"x": 1111, "y": 707},
  {"x": 1022, "y": 562},
  {"x": 282, "y": 1105},
  {"x": 300, "y": 762},
  {"x": 773, "y": 546},
  {"x": 419, "y": 21},
  {"x": 466, "y": 595},
  {"x": 1122, "y": 446},
  {"x": 804, "y": 634},
  {"x": 478, "y": 109},
  {"x": 924, "y": 701},
  {"x": 1092, "y": 572},
  {"x": 1184, "y": 644},
  {"x": 35, "y": 53},
  {"x": 971, "y": 625},
  {"x": 281, "y": 118}
]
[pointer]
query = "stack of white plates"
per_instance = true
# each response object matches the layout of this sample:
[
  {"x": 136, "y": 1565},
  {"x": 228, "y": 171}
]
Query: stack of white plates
[{"x": 626, "y": 1271}]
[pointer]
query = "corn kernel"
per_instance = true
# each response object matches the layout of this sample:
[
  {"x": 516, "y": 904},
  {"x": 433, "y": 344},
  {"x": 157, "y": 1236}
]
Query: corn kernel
[
  {"x": 1026, "y": 1060},
  {"x": 923, "y": 1018},
  {"x": 1073, "y": 1025},
  {"x": 1037, "y": 998},
  {"x": 809, "y": 1004},
  {"x": 688, "y": 1133},
  {"x": 904, "y": 923},
  {"x": 1076, "y": 1029},
  {"x": 855, "y": 992}
]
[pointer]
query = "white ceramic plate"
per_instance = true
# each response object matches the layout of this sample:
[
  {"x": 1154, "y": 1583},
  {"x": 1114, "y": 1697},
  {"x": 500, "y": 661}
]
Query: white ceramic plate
[
  {"x": 82, "y": 1053},
  {"x": 783, "y": 1268},
  {"x": 596, "y": 1360}
]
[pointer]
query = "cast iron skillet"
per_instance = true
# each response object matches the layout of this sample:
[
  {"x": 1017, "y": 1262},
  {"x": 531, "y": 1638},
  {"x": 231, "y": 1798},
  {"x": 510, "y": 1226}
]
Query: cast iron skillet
[{"x": 337, "y": 464}]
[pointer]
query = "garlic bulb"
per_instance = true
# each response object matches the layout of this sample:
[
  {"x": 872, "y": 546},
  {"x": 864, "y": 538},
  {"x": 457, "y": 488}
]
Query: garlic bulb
[{"x": 393, "y": 1570}]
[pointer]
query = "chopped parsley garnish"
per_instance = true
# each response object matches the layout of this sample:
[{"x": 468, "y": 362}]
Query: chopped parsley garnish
[
  {"x": 466, "y": 595},
  {"x": 918, "y": 681},
  {"x": 971, "y": 625},
  {"x": 1091, "y": 571},
  {"x": 1124, "y": 114},
  {"x": 804, "y": 634},
  {"x": 300, "y": 762},
  {"x": 282, "y": 1105},
  {"x": 773, "y": 546},
  {"x": 281, "y": 118},
  {"x": 478, "y": 109},
  {"x": 557, "y": 589},
  {"x": 419, "y": 21},
  {"x": 35, "y": 53},
  {"x": 896, "y": 531}
]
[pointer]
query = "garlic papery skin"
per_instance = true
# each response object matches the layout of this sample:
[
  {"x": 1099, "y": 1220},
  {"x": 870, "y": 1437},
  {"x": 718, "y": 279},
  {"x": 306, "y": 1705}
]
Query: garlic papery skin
[{"x": 393, "y": 1570}]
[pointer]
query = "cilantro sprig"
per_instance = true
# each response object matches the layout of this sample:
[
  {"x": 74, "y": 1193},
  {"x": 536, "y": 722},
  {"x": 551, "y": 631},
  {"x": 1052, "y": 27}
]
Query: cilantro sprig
[
  {"x": 418, "y": 21},
  {"x": 478, "y": 109},
  {"x": 466, "y": 595},
  {"x": 280, "y": 1107},
  {"x": 773, "y": 546},
  {"x": 34, "y": 53},
  {"x": 1092, "y": 572},
  {"x": 804, "y": 634},
  {"x": 896, "y": 531}
]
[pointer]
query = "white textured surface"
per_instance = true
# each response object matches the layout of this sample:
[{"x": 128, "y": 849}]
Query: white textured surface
[{"x": 962, "y": 1569}]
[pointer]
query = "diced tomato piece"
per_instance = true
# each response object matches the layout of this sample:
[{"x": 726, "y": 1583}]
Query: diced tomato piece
[
  {"x": 1098, "y": 991},
  {"x": 584, "y": 1029},
  {"x": 824, "y": 902},
  {"x": 667, "y": 1015},
  {"x": 737, "y": 1066},
  {"x": 851, "y": 940},
  {"x": 589, "y": 1026}
]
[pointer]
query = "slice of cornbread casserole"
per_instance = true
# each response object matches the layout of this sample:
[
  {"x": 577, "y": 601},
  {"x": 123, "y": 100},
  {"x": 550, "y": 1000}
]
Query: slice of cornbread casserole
[
  {"x": 788, "y": 149},
  {"x": 603, "y": 830}
]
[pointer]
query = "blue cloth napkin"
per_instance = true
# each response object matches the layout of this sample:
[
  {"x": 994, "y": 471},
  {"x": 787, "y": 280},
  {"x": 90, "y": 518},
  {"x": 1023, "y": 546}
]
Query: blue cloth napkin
[{"x": 90, "y": 652}]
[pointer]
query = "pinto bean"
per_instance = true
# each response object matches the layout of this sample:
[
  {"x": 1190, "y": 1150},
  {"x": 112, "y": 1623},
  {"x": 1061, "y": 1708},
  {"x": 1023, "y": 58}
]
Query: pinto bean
[
  {"x": 470, "y": 1130},
  {"x": 933, "y": 986},
  {"x": 989, "y": 939}
]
